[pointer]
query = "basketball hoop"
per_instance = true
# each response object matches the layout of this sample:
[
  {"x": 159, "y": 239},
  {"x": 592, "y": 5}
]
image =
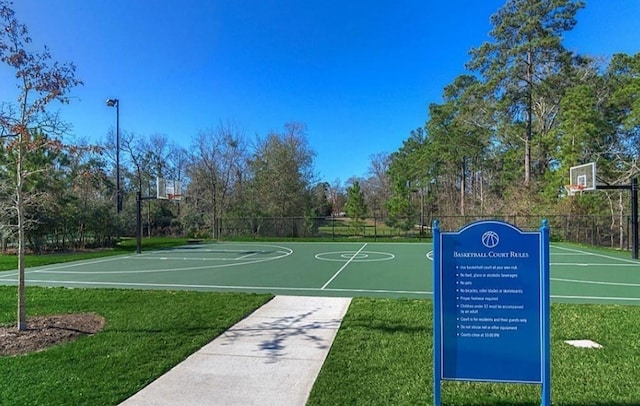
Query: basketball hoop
[
  {"x": 168, "y": 189},
  {"x": 573, "y": 189}
]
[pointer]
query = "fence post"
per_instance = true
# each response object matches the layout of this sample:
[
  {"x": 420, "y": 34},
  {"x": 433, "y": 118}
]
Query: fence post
[
  {"x": 333, "y": 227},
  {"x": 375, "y": 228},
  {"x": 634, "y": 216}
]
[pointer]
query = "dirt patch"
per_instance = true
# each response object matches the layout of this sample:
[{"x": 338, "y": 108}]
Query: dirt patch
[{"x": 45, "y": 331}]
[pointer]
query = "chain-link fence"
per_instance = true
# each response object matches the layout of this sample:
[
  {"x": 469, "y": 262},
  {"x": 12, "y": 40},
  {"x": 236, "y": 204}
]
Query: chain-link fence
[{"x": 602, "y": 231}]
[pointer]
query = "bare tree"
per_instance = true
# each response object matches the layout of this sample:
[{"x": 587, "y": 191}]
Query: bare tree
[
  {"x": 216, "y": 170},
  {"x": 378, "y": 186},
  {"x": 337, "y": 196}
]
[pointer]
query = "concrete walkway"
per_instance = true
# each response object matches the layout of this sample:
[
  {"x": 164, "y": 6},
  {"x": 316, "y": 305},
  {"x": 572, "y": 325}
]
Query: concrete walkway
[{"x": 272, "y": 357}]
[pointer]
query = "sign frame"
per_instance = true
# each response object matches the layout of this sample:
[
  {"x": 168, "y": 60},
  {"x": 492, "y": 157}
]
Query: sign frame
[{"x": 456, "y": 350}]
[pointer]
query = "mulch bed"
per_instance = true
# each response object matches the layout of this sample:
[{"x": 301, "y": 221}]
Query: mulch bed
[{"x": 45, "y": 331}]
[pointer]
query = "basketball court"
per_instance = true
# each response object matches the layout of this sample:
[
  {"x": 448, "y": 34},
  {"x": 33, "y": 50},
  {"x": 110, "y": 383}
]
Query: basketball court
[{"x": 388, "y": 270}]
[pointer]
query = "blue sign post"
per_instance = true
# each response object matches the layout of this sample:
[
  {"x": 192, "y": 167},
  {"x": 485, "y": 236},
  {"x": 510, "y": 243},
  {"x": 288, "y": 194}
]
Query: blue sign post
[{"x": 491, "y": 305}]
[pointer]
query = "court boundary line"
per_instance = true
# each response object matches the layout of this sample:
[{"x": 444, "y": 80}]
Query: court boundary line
[
  {"x": 227, "y": 287},
  {"x": 595, "y": 282},
  {"x": 10, "y": 277},
  {"x": 595, "y": 254},
  {"x": 54, "y": 268},
  {"x": 303, "y": 289},
  {"x": 70, "y": 264}
]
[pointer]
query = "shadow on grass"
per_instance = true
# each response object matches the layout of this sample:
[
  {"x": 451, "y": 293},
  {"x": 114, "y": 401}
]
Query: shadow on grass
[
  {"x": 278, "y": 338},
  {"x": 163, "y": 330},
  {"x": 390, "y": 327},
  {"x": 404, "y": 329}
]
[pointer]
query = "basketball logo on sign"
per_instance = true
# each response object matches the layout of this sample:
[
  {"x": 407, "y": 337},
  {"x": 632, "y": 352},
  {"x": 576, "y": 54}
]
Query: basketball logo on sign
[{"x": 490, "y": 239}]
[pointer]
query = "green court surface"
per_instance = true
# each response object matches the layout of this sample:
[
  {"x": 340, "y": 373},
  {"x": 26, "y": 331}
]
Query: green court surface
[{"x": 390, "y": 270}]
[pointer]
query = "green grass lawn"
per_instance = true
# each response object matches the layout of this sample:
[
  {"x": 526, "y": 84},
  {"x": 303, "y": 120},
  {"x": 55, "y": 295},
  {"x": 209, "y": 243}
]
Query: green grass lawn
[
  {"x": 382, "y": 354},
  {"x": 146, "y": 333}
]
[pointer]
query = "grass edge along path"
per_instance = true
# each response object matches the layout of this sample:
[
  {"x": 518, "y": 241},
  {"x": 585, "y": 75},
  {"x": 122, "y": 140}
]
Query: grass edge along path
[
  {"x": 146, "y": 334},
  {"x": 382, "y": 355}
]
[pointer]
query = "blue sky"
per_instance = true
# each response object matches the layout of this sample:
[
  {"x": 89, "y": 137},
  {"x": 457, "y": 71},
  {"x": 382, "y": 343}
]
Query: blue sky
[{"x": 359, "y": 74}]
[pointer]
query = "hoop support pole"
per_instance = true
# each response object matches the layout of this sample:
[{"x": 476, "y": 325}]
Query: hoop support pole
[{"x": 633, "y": 187}]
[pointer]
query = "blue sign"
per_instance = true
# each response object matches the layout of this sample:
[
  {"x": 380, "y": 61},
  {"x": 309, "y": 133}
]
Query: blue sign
[{"x": 491, "y": 305}]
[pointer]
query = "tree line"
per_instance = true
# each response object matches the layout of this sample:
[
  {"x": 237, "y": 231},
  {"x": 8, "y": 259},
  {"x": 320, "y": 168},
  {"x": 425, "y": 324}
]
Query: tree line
[
  {"x": 527, "y": 109},
  {"x": 500, "y": 143}
]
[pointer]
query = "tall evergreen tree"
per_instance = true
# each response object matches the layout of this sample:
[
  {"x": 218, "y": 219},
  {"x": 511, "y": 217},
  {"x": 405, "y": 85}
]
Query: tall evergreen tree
[
  {"x": 355, "y": 206},
  {"x": 526, "y": 50}
]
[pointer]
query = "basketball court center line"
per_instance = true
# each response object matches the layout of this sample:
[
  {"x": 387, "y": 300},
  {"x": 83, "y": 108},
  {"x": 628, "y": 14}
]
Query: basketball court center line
[
  {"x": 343, "y": 266},
  {"x": 597, "y": 255}
]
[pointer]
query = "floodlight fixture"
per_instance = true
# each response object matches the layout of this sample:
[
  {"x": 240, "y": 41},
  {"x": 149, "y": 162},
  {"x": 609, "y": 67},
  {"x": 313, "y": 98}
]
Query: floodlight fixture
[{"x": 116, "y": 103}]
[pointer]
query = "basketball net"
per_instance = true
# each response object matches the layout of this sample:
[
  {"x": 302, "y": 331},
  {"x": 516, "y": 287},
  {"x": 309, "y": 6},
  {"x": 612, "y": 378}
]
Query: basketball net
[{"x": 573, "y": 189}]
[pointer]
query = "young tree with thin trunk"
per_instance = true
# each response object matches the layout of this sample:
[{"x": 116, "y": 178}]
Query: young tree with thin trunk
[{"x": 39, "y": 81}]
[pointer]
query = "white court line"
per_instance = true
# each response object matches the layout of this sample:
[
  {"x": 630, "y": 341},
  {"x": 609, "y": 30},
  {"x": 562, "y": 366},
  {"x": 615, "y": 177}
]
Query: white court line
[
  {"x": 621, "y": 299},
  {"x": 632, "y": 261},
  {"x": 8, "y": 274},
  {"x": 595, "y": 282},
  {"x": 629, "y": 262},
  {"x": 189, "y": 268},
  {"x": 195, "y": 259},
  {"x": 277, "y": 288},
  {"x": 264, "y": 288},
  {"x": 63, "y": 265},
  {"x": 247, "y": 256},
  {"x": 343, "y": 266},
  {"x": 589, "y": 264},
  {"x": 283, "y": 251}
]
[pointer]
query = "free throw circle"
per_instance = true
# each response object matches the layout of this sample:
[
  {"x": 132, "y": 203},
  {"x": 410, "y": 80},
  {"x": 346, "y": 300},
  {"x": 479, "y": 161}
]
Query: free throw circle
[{"x": 353, "y": 256}]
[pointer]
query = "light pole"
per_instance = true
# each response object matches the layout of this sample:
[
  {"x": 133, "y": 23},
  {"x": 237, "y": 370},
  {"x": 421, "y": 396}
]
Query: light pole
[{"x": 116, "y": 103}]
